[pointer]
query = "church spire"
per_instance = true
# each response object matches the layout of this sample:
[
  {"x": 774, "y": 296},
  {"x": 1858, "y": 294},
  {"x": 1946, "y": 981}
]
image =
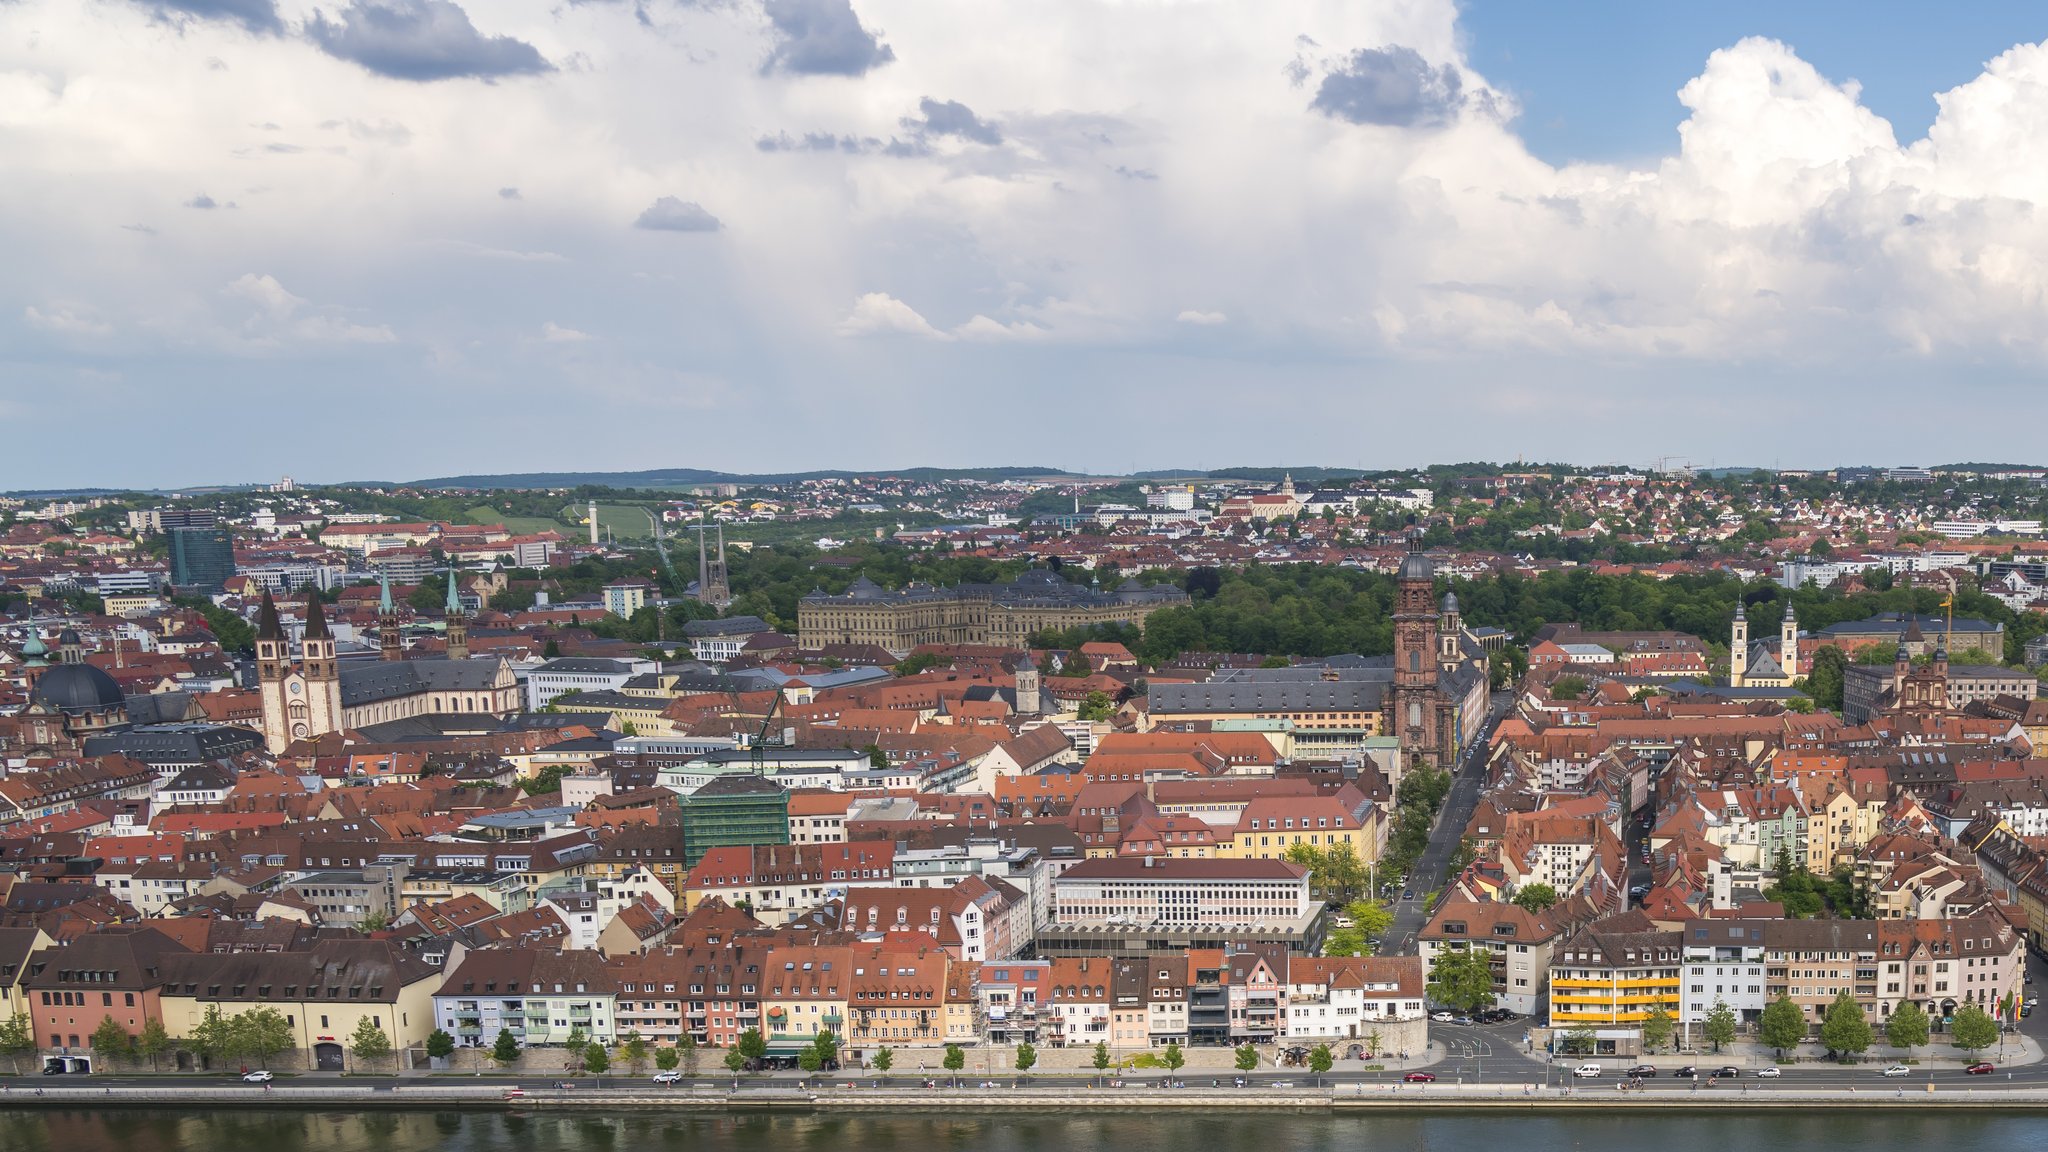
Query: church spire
[
  {"x": 267, "y": 626},
  {"x": 457, "y": 622},
  {"x": 316, "y": 618},
  {"x": 390, "y": 638}
]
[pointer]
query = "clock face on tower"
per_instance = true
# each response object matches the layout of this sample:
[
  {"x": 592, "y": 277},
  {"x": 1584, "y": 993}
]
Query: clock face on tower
[{"x": 295, "y": 687}]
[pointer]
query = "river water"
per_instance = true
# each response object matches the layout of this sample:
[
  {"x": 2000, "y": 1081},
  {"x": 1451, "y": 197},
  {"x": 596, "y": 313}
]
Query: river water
[{"x": 176, "y": 1130}]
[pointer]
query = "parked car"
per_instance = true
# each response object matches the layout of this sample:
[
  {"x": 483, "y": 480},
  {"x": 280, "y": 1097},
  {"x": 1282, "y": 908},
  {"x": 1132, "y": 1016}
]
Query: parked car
[
  {"x": 1465, "y": 1020},
  {"x": 1408, "y": 895},
  {"x": 1646, "y": 1071},
  {"x": 1898, "y": 1070},
  {"x": 1768, "y": 1073},
  {"x": 670, "y": 1077},
  {"x": 1420, "y": 1078},
  {"x": 1587, "y": 1070},
  {"x": 1727, "y": 1072},
  {"x": 1980, "y": 1068},
  {"x": 256, "y": 1077},
  {"x": 1443, "y": 1017},
  {"x": 1639, "y": 890},
  {"x": 1689, "y": 1072}
]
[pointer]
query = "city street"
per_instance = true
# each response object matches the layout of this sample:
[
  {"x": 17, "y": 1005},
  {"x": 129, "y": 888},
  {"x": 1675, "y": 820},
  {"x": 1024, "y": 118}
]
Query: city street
[{"x": 1410, "y": 914}]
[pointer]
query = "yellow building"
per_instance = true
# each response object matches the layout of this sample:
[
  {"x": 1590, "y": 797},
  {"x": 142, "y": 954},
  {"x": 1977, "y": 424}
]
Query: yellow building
[
  {"x": 16, "y": 945},
  {"x": 1005, "y": 614},
  {"x": 1269, "y": 826},
  {"x": 1614, "y": 974},
  {"x": 805, "y": 990},
  {"x": 325, "y": 994}
]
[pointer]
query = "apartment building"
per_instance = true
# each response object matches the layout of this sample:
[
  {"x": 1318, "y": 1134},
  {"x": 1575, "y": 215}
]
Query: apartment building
[{"x": 1519, "y": 944}]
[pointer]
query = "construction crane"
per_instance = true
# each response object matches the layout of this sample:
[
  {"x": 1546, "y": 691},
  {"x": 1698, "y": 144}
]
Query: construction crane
[{"x": 768, "y": 735}]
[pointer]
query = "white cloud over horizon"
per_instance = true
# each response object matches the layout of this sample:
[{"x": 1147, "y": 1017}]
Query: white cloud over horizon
[{"x": 894, "y": 198}]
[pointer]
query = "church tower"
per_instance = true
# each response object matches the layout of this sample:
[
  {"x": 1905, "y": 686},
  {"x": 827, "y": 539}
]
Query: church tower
[
  {"x": 1450, "y": 633},
  {"x": 273, "y": 667},
  {"x": 1027, "y": 686},
  {"x": 1788, "y": 644},
  {"x": 1738, "y": 649},
  {"x": 712, "y": 585},
  {"x": 390, "y": 642},
  {"x": 321, "y": 669},
  {"x": 1414, "y": 700},
  {"x": 458, "y": 622}
]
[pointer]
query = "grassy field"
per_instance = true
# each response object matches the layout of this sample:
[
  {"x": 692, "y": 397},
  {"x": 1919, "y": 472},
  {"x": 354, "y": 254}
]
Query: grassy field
[
  {"x": 485, "y": 514},
  {"x": 626, "y": 521}
]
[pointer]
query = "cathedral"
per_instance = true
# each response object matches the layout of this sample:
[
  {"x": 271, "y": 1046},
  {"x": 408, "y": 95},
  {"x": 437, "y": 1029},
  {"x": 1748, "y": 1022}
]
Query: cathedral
[
  {"x": 1440, "y": 675},
  {"x": 1761, "y": 665},
  {"x": 316, "y": 694}
]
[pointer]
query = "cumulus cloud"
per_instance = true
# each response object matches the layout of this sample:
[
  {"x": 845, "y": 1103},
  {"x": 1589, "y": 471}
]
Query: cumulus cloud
[
  {"x": 554, "y": 333},
  {"x": 202, "y": 201},
  {"x": 1205, "y": 319},
  {"x": 259, "y": 16},
  {"x": 1392, "y": 86},
  {"x": 670, "y": 214},
  {"x": 508, "y": 193},
  {"x": 952, "y": 118},
  {"x": 880, "y": 314},
  {"x": 982, "y": 328},
  {"x": 822, "y": 38},
  {"x": 420, "y": 40},
  {"x": 66, "y": 320},
  {"x": 280, "y": 315}
]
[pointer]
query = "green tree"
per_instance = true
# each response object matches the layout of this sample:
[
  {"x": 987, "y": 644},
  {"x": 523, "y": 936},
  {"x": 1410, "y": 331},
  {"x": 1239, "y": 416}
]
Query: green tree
[
  {"x": 1580, "y": 1039},
  {"x": 572, "y": 1048},
  {"x": 596, "y": 1060},
  {"x": 111, "y": 1042},
  {"x": 212, "y": 1039},
  {"x": 686, "y": 1044},
  {"x": 1657, "y": 1027},
  {"x": 1782, "y": 1025},
  {"x": 1568, "y": 688},
  {"x": 1461, "y": 978},
  {"x": 1972, "y": 1029},
  {"x": 1173, "y": 1058},
  {"x": 440, "y": 1045},
  {"x": 633, "y": 1051},
  {"x": 877, "y": 758},
  {"x": 808, "y": 1060},
  {"x": 261, "y": 1033},
  {"x": 826, "y": 1045},
  {"x": 368, "y": 1043},
  {"x": 666, "y": 1059},
  {"x": 884, "y": 1060},
  {"x": 1907, "y": 1027},
  {"x": 955, "y": 1059},
  {"x": 153, "y": 1042},
  {"x": 753, "y": 1047},
  {"x": 1096, "y": 706},
  {"x": 1844, "y": 1029},
  {"x": 16, "y": 1040},
  {"x": 505, "y": 1051},
  {"x": 1535, "y": 897},
  {"x": 1101, "y": 1057},
  {"x": 734, "y": 1061},
  {"x": 1247, "y": 1058},
  {"x": 1719, "y": 1026},
  {"x": 1320, "y": 1061},
  {"x": 1824, "y": 681},
  {"x": 1027, "y": 1057}
]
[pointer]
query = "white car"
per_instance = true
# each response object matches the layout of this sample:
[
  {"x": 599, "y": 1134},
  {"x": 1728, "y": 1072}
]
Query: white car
[
  {"x": 1587, "y": 1070},
  {"x": 256, "y": 1077},
  {"x": 1898, "y": 1070},
  {"x": 669, "y": 1077},
  {"x": 1443, "y": 1017},
  {"x": 1768, "y": 1073}
]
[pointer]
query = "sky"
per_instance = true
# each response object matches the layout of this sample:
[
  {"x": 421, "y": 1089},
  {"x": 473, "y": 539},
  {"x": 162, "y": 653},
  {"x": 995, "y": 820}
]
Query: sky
[{"x": 393, "y": 239}]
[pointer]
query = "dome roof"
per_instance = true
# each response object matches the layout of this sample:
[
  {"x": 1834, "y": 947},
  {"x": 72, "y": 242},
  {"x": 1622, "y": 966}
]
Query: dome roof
[
  {"x": 1450, "y": 601},
  {"x": 78, "y": 688},
  {"x": 1416, "y": 566}
]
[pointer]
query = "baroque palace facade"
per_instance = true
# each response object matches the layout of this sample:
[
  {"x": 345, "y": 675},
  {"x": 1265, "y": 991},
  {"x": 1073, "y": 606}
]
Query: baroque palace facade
[{"x": 1001, "y": 614}]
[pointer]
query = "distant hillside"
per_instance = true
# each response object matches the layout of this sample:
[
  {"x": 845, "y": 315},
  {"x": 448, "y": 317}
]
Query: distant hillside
[{"x": 684, "y": 477}]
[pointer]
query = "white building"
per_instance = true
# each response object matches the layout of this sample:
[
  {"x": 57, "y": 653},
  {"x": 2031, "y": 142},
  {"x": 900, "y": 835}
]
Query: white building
[{"x": 1182, "y": 893}]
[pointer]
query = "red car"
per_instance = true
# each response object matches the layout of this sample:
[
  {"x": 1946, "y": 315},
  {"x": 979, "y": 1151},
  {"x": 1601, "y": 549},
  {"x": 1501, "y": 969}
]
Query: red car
[
  {"x": 1980, "y": 1068},
  {"x": 1420, "y": 1078}
]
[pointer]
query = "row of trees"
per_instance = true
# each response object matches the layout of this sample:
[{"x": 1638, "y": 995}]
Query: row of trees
[{"x": 256, "y": 1036}]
